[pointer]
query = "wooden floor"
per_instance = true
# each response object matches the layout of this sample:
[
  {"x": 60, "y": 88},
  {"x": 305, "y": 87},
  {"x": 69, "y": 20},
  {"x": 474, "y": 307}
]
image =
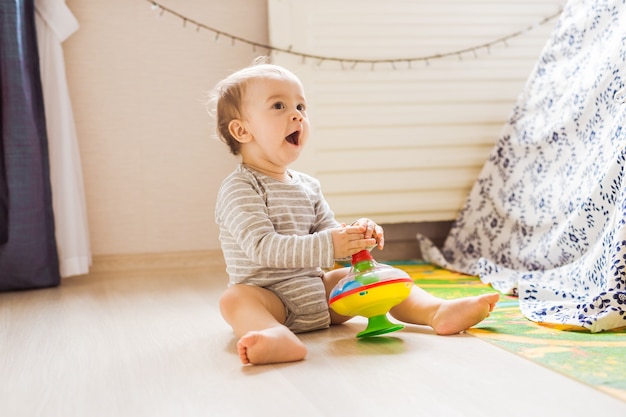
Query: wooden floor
[{"x": 152, "y": 343}]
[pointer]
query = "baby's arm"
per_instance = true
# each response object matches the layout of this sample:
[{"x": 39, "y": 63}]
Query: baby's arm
[{"x": 245, "y": 226}]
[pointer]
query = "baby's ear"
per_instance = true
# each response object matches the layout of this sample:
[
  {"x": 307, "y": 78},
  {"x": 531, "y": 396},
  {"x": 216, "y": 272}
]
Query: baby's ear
[{"x": 238, "y": 131}]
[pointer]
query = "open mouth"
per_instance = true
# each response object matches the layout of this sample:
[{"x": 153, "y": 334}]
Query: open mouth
[{"x": 294, "y": 138}]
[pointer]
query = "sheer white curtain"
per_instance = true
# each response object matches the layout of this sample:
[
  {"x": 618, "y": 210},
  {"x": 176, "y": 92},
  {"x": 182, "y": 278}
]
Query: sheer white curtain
[{"x": 55, "y": 23}]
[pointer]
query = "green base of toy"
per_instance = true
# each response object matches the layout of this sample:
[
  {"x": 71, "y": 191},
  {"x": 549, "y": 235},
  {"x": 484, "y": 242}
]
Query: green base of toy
[{"x": 377, "y": 325}]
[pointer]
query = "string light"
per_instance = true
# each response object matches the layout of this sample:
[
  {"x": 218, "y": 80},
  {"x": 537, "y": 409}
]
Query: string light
[{"x": 343, "y": 62}]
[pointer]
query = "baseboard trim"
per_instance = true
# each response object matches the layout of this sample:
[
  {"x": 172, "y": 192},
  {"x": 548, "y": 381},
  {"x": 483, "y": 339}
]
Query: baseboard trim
[
  {"x": 401, "y": 241},
  {"x": 208, "y": 259},
  {"x": 400, "y": 238}
]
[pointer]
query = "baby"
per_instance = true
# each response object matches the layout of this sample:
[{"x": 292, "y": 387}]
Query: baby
[{"x": 278, "y": 234}]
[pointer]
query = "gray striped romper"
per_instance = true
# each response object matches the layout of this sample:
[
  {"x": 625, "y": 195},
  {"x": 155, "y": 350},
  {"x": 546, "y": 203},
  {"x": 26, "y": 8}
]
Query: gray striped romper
[{"x": 276, "y": 235}]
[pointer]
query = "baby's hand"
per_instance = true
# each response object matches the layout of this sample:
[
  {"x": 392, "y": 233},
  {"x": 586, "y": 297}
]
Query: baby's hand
[
  {"x": 372, "y": 230},
  {"x": 348, "y": 240}
]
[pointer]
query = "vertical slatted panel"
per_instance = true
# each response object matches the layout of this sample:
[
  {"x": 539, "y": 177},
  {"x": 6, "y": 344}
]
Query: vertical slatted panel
[{"x": 405, "y": 142}]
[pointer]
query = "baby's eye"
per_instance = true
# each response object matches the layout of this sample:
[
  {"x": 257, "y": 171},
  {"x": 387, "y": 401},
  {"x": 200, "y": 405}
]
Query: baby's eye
[
  {"x": 278, "y": 106},
  {"x": 301, "y": 107}
]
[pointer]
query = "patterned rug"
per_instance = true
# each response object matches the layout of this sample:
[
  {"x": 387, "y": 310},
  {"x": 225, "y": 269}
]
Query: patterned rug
[{"x": 596, "y": 359}]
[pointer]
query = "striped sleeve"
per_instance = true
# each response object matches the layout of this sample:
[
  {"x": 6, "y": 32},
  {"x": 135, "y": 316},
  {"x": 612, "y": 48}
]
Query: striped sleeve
[{"x": 260, "y": 225}]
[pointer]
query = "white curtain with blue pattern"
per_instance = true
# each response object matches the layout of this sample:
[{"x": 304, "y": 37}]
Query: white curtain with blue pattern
[{"x": 546, "y": 219}]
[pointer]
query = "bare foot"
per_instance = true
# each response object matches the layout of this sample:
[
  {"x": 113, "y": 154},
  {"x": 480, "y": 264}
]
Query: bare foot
[
  {"x": 273, "y": 345},
  {"x": 454, "y": 316}
]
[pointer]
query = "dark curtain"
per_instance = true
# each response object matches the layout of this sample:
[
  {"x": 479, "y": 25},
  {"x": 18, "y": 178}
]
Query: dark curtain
[{"x": 28, "y": 253}]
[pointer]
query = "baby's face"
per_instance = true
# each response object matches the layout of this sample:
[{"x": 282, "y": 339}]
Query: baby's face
[{"x": 274, "y": 112}]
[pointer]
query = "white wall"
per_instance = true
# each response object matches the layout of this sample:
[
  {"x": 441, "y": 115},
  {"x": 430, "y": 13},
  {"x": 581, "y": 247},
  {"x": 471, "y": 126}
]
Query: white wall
[
  {"x": 137, "y": 81},
  {"x": 152, "y": 167}
]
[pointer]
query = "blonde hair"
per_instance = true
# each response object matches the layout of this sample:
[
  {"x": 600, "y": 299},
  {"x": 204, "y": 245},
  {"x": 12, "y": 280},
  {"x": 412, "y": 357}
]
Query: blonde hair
[{"x": 226, "y": 98}]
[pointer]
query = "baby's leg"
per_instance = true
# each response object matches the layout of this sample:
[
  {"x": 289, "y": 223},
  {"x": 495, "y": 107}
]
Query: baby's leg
[
  {"x": 444, "y": 316},
  {"x": 257, "y": 316},
  {"x": 271, "y": 345}
]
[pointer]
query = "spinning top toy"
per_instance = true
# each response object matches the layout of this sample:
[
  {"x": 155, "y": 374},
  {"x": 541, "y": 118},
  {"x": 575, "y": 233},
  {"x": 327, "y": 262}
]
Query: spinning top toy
[{"x": 370, "y": 290}]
